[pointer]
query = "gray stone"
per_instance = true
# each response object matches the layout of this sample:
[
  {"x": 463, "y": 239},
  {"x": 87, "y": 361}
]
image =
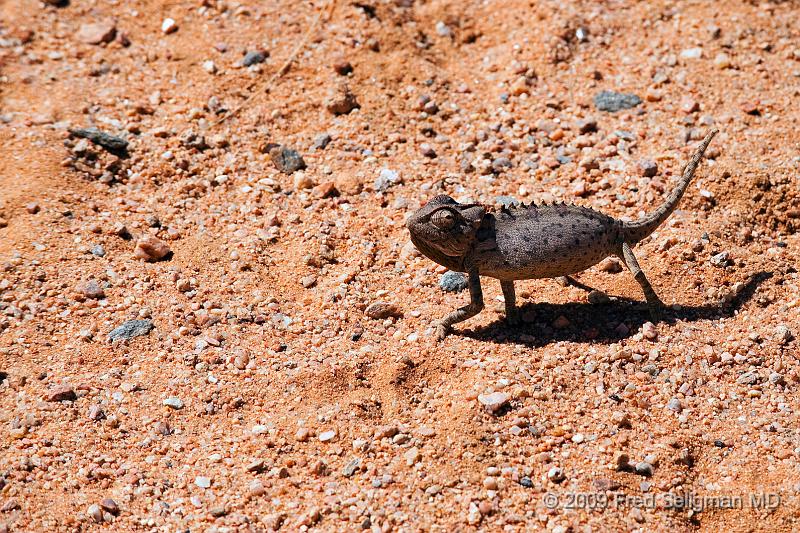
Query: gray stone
[
  {"x": 98, "y": 250},
  {"x": 644, "y": 469},
  {"x": 720, "y": 260},
  {"x": 321, "y": 141},
  {"x": 254, "y": 57},
  {"x": 351, "y": 467},
  {"x": 287, "y": 160},
  {"x": 131, "y": 329},
  {"x": 453, "y": 281},
  {"x": 613, "y": 101},
  {"x": 112, "y": 143},
  {"x": 500, "y": 164}
]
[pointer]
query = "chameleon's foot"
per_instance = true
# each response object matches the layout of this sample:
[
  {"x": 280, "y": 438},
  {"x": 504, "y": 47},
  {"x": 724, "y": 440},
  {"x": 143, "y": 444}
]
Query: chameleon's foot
[{"x": 441, "y": 331}]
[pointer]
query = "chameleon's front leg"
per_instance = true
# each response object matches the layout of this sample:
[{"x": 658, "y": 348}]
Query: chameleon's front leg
[
  {"x": 512, "y": 313},
  {"x": 468, "y": 311}
]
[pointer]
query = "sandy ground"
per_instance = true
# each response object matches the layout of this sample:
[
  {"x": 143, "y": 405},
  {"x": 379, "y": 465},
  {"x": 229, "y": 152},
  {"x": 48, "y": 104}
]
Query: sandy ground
[{"x": 266, "y": 397}]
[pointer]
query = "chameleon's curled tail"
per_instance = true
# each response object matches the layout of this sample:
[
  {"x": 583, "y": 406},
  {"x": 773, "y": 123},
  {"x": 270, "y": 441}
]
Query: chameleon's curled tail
[{"x": 639, "y": 229}]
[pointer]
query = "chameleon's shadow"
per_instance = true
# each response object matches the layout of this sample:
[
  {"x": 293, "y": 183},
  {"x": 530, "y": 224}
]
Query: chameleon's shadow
[{"x": 601, "y": 323}]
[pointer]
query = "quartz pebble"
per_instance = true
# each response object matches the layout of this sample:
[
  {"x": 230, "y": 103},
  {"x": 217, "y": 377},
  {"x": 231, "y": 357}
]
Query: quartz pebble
[
  {"x": 173, "y": 403},
  {"x": 493, "y": 402},
  {"x": 783, "y": 334},
  {"x": 169, "y": 26},
  {"x": 98, "y": 32},
  {"x": 151, "y": 248}
]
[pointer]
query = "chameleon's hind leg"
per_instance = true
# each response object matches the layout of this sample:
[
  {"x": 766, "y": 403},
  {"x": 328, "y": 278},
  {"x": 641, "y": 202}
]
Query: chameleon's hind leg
[
  {"x": 461, "y": 314},
  {"x": 512, "y": 312},
  {"x": 654, "y": 303}
]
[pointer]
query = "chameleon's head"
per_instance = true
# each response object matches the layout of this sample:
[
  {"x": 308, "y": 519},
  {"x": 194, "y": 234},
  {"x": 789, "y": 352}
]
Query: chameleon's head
[{"x": 444, "y": 227}]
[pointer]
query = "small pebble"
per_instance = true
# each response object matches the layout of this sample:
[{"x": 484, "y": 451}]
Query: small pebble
[
  {"x": 131, "y": 329},
  {"x": 60, "y": 393},
  {"x": 493, "y": 402},
  {"x": 612, "y": 101},
  {"x": 382, "y": 310},
  {"x": 556, "y": 474},
  {"x": 675, "y": 405},
  {"x": 254, "y": 57},
  {"x": 173, "y": 403},
  {"x": 783, "y": 334},
  {"x": 169, "y": 26},
  {"x": 327, "y": 436},
  {"x": 286, "y": 159},
  {"x": 151, "y": 248},
  {"x": 644, "y": 469},
  {"x": 648, "y": 168}
]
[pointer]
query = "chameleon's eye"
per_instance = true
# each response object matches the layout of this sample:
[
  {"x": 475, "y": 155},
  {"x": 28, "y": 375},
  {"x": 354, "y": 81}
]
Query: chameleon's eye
[{"x": 443, "y": 219}]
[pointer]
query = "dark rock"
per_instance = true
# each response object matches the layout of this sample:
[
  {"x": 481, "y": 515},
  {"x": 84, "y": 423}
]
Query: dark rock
[
  {"x": 254, "y": 57},
  {"x": 526, "y": 482},
  {"x": 613, "y": 101},
  {"x": 287, "y": 160},
  {"x": 131, "y": 329},
  {"x": 453, "y": 281},
  {"x": 112, "y": 143},
  {"x": 587, "y": 126},
  {"x": 343, "y": 68}
]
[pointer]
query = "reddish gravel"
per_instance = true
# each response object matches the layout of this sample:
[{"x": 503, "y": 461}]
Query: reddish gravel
[{"x": 282, "y": 371}]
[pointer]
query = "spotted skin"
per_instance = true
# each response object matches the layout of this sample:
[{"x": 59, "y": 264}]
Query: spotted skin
[{"x": 530, "y": 242}]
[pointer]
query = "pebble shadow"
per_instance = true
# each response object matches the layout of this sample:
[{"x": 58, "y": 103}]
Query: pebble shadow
[{"x": 601, "y": 323}]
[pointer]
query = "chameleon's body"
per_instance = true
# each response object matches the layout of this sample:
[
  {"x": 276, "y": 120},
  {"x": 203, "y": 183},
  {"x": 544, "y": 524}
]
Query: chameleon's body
[{"x": 527, "y": 242}]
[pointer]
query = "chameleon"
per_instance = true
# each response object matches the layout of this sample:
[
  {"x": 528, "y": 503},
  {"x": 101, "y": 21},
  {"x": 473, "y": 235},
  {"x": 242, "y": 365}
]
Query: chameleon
[{"x": 533, "y": 241}]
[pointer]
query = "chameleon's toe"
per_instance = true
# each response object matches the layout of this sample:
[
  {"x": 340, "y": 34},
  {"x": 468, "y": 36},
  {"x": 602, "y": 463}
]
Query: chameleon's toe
[{"x": 441, "y": 331}]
